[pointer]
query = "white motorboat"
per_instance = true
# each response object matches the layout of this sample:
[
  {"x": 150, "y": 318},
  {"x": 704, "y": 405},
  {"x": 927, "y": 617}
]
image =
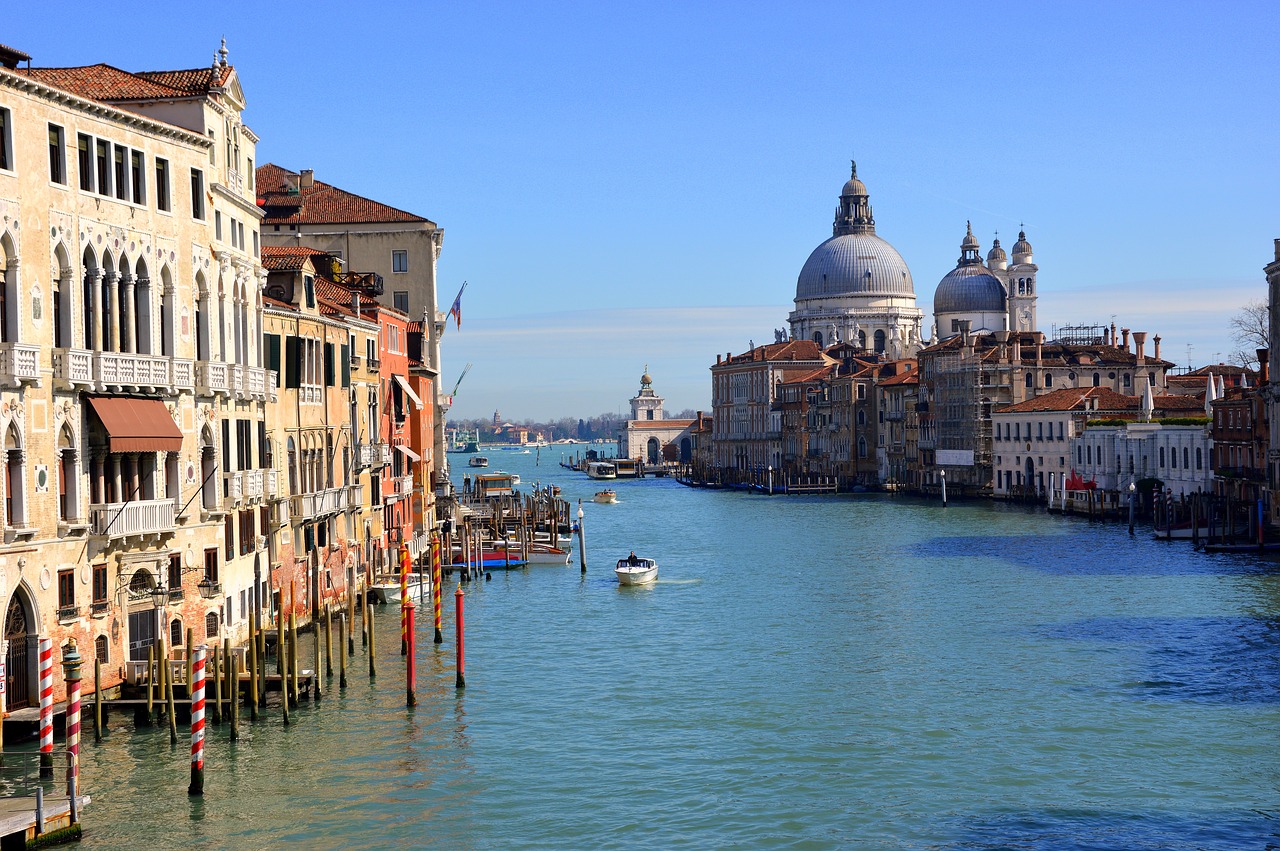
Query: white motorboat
[
  {"x": 636, "y": 571},
  {"x": 602, "y": 470},
  {"x": 540, "y": 553},
  {"x": 606, "y": 496},
  {"x": 387, "y": 590},
  {"x": 478, "y": 461}
]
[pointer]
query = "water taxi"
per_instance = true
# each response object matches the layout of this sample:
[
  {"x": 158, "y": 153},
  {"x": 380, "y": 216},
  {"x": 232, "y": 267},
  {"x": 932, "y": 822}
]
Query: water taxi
[
  {"x": 633, "y": 570},
  {"x": 602, "y": 470},
  {"x": 478, "y": 461},
  {"x": 386, "y": 589},
  {"x": 606, "y": 497}
]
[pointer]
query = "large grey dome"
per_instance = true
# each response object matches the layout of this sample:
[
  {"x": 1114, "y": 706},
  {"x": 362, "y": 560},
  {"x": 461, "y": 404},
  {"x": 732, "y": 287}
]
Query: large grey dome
[
  {"x": 969, "y": 289},
  {"x": 854, "y": 264}
]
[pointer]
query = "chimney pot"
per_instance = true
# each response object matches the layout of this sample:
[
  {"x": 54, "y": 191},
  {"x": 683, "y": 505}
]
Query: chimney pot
[
  {"x": 1264, "y": 366},
  {"x": 308, "y": 178},
  {"x": 1124, "y": 339},
  {"x": 1156, "y": 340}
]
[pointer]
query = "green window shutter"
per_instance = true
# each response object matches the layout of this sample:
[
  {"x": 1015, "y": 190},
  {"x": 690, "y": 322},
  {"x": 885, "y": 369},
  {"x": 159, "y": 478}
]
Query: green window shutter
[
  {"x": 273, "y": 352},
  {"x": 291, "y": 354},
  {"x": 346, "y": 365},
  {"x": 328, "y": 365}
]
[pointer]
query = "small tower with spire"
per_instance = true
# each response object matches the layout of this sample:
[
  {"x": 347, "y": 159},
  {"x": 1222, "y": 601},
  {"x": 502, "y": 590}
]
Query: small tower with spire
[
  {"x": 647, "y": 405},
  {"x": 1020, "y": 280}
]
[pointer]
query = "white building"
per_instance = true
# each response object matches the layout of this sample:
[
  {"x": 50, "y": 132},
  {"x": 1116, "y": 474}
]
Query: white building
[
  {"x": 855, "y": 287},
  {"x": 648, "y": 432}
]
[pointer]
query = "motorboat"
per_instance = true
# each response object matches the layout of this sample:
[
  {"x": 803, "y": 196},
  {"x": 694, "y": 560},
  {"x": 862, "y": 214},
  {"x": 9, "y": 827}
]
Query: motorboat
[
  {"x": 386, "y": 589},
  {"x": 606, "y": 496},
  {"x": 542, "y": 553},
  {"x": 601, "y": 470},
  {"x": 634, "y": 570},
  {"x": 478, "y": 461}
]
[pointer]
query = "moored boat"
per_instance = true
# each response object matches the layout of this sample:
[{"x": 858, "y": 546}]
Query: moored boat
[
  {"x": 601, "y": 470},
  {"x": 606, "y": 496},
  {"x": 478, "y": 461},
  {"x": 387, "y": 589},
  {"x": 548, "y": 554},
  {"x": 634, "y": 570}
]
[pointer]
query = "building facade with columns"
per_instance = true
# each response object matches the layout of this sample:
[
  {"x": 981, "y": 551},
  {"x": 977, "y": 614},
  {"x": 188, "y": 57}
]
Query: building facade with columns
[{"x": 133, "y": 392}]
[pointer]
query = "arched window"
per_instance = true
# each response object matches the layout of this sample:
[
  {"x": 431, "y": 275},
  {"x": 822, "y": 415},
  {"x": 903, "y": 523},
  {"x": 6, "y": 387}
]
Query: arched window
[
  {"x": 862, "y": 447},
  {"x": 1031, "y": 381},
  {"x": 1097, "y": 380},
  {"x": 68, "y": 476},
  {"x": 15, "y": 470},
  {"x": 175, "y": 633},
  {"x": 292, "y": 451},
  {"x": 1161, "y": 456},
  {"x": 1186, "y": 458},
  {"x": 1128, "y": 382},
  {"x": 100, "y": 649},
  {"x": 879, "y": 338},
  {"x": 211, "y": 625},
  {"x": 862, "y": 339},
  {"x": 1199, "y": 458},
  {"x": 1048, "y": 379},
  {"x": 862, "y": 417},
  {"x": 817, "y": 338}
]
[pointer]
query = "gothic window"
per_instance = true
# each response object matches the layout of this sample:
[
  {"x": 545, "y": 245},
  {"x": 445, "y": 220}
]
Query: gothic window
[{"x": 1097, "y": 380}]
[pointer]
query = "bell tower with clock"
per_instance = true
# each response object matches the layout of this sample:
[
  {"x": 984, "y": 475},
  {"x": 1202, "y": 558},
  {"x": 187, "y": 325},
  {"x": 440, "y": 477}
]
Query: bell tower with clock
[{"x": 1020, "y": 281}]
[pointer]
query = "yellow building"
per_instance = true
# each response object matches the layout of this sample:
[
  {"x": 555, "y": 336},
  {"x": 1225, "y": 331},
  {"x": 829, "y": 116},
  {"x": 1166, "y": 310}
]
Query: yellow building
[{"x": 132, "y": 411}]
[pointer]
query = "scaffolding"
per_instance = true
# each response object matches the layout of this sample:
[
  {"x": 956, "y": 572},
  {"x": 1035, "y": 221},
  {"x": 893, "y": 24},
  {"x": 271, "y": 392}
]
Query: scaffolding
[
  {"x": 1080, "y": 335},
  {"x": 962, "y": 413}
]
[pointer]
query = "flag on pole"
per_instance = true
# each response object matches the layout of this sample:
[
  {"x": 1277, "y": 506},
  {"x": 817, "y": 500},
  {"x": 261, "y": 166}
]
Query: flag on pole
[{"x": 456, "y": 310}]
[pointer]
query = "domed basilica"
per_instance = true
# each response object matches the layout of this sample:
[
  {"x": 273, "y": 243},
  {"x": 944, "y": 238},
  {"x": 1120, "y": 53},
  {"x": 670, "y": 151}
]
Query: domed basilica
[
  {"x": 855, "y": 287},
  {"x": 997, "y": 296}
]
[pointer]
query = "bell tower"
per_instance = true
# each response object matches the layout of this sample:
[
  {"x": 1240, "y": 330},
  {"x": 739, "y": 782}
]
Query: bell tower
[
  {"x": 1020, "y": 281},
  {"x": 646, "y": 405}
]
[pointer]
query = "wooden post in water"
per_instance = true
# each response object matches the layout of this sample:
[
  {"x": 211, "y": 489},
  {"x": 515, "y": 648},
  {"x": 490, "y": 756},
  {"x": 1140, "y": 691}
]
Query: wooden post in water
[
  {"x": 411, "y": 678},
  {"x": 253, "y": 677},
  {"x": 318, "y": 675},
  {"x": 373, "y": 672},
  {"x": 233, "y": 670},
  {"x": 462, "y": 663},
  {"x": 262, "y": 666},
  {"x": 168, "y": 699},
  {"x": 151, "y": 681},
  {"x": 196, "y": 689},
  {"x": 293, "y": 656},
  {"x": 97, "y": 699},
  {"x": 280, "y": 621},
  {"x": 189, "y": 661},
  {"x": 350, "y": 621},
  {"x": 284, "y": 683},
  {"x": 342, "y": 650},
  {"x": 230, "y": 683},
  {"x": 328, "y": 642},
  {"x": 211, "y": 665}
]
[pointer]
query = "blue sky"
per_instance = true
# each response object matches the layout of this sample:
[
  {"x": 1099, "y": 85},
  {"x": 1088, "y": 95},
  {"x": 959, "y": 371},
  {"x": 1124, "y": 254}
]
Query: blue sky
[{"x": 627, "y": 184}]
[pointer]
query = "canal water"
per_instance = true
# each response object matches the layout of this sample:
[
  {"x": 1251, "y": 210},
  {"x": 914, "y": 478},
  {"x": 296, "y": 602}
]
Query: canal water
[{"x": 824, "y": 672}]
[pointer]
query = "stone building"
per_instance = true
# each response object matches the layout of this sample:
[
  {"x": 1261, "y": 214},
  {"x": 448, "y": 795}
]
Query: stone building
[
  {"x": 134, "y": 389},
  {"x": 401, "y": 248},
  {"x": 855, "y": 287},
  {"x": 648, "y": 433}
]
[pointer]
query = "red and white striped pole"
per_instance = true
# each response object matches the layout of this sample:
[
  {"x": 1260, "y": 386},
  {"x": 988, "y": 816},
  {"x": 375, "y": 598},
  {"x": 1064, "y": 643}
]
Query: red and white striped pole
[
  {"x": 71, "y": 674},
  {"x": 46, "y": 706},
  {"x": 197, "y": 721}
]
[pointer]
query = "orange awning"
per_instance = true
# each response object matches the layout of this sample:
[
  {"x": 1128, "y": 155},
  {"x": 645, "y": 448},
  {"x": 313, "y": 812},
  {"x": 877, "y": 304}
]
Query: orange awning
[{"x": 137, "y": 425}]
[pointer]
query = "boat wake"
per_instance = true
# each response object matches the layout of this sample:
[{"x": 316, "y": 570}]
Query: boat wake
[{"x": 697, "y": 581}]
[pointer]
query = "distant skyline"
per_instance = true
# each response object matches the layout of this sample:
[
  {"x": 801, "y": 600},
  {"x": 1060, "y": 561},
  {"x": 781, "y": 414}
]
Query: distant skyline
[{"x": 629, "y": 185}]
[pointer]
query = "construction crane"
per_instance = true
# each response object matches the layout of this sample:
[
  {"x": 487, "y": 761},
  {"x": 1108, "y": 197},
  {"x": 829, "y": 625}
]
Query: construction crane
[{"x": 447, "y": 402}]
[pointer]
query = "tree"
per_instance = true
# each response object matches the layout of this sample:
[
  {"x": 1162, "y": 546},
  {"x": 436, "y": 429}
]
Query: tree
[{"x": 1250, "y": 330}]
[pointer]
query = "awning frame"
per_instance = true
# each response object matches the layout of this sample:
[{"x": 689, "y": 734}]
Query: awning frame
[{"x": 404, "y": 385}]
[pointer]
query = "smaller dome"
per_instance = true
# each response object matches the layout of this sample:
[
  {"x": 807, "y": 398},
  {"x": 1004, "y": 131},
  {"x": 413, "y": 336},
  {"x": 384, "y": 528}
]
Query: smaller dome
[
  {"x": 854, "y": 186},
  {"x": 996, "y": 254},
  {"x": 646, "y": 380},
  {"x": 969, "y": 241},
  {"x": 969, "y": 289},
  {"x": 1021, "y": 247}
]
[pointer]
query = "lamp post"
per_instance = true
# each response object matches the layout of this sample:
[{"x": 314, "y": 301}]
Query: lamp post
[
  {"x": 770, "y": 480},
  {"x": 942, "y": 475},
  {"x": 1132, "y": 490}
]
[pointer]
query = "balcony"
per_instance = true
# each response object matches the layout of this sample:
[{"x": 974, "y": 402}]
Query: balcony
[
  {"x": 233, "y": 488},
  {"x": 212, "y": 378},
  {"x": 253, "y": 383},
  {"x": 131, "y": 371},
  {"x": 364, "y": 455},
  {"x": 272, "y": 378},
  {"x": 129, "y": 519},
  {"x": 404, "y": 485},
  {"x": 310, "y": 394},
  {"x": 74, "y": 367},
  {"x": 236, "y": 379},
  {"x": 355, "y": 496},
  {"x": 321, "y": 503},
  {"x": 254, "y": 485},
  {"x": 19, "y": 362},
  {"x": 384, "y": 451},
  {"x": 893, "y": 416},
  {"x": 270, "y": 484}
]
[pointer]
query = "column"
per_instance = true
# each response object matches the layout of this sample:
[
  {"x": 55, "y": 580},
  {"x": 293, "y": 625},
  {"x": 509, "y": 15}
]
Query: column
[
  {"x": 127, "y": 343},
  {"x": 94, "y": 325},
  {"x": 110, "y": 326}
]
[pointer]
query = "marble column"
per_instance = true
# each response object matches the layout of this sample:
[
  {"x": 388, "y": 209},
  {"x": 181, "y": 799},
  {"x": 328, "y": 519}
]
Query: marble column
[
  {"x": 127, "y": 343},
  {"x": 94, "y": 307},
  {"x": 110, "y": 323}
]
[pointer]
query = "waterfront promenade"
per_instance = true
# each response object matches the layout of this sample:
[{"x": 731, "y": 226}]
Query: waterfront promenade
[{"x": 833, "y": 672}]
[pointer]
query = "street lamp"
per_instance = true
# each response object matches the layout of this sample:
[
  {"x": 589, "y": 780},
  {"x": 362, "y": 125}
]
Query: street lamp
[{"x": 1132, "y": 490}]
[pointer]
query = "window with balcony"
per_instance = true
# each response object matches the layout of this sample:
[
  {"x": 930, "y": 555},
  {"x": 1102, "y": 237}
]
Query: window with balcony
[
  {"x": 57, "y": 154},
  {"x": 248, "y": 534},
  {"x": 15, "y": 473},
  {"x": 68, "y": 477}
]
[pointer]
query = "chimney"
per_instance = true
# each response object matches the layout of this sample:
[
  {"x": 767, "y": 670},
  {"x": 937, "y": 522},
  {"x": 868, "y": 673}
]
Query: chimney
[
  {"x": 1124, "y": 339},
  {"x": 717, "y": 360},
  {"x": 1139, "y": 341},
  {"x": 1264, "y": 371},
  {"x": 308, "y": 178},
  {"x": 1039, "y": 348},
  {"x": 355, "y": 303},
  {"x": 1156, "y": 353},
  {"x": 1113, "y": 334}
]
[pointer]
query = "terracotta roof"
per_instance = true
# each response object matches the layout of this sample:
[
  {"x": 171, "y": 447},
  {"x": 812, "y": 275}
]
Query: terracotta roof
[
  {"x": 811, "y": 375},
  {"x": 665, "y": 424},
  {"x": 288, "y": 258},
  {"x": 1073, "y": 399},
  {"x": 793, "y": 350},
  {"x": 911, "y": 377},
  {"x": 109, "y": 84},
  {"x": 335, "y": 292},
  {"x": 1222, "y": 369},
  {"x": 274, "y": 302},
  {"x": 328, "y": 307},
  {"x": 320, "y": 203},
  {"x": 1084, "y": 356}
]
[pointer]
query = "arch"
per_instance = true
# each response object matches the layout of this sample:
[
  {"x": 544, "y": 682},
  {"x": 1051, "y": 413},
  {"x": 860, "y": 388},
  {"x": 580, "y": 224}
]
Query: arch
[
  {"x": 202, "y": 317},
  {"x": 143, "y": 298},
  {"x": 879, "y": 340},
  {"x": 10, "y": 290},
  {"x": 101, "y": 649},
  {"x": 1031, "y": 380},
  {"x": 817, "y": 338},
  {"x": 210, "y": 487},
  {"x": 862, "y": 339},
  {"x": 653, "y": 450},
  {"x": 176, "y": 636},
  {"x": 22, "y": 632},
  {"x": 686, "y": 450},
  {"x": 1029, "y": 475},
  {"x": 1097, "y": 380},
  {"x": 168, "y": 313},
  {"x": 15, "y": 470},
  {"x": 68, "y": 474}
]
